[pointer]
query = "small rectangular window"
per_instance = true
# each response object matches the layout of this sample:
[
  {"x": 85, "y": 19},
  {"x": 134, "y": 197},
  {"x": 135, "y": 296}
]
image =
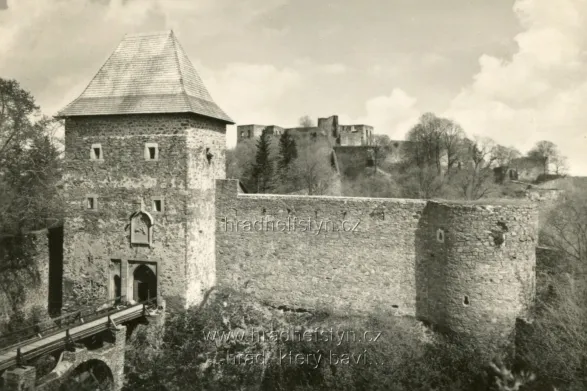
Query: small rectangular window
[
  {"x": 157, "y": 204},
  {"x": 91, "y": 202},
  {"x": 96, "y": 152},
  {"x": 151, "y": 151}
]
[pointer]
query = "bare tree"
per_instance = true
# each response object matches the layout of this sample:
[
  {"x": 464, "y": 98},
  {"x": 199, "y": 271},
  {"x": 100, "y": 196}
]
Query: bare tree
[
  {"x": 312, "y": 168},
  {"x": 565, "y": 228},
  {"x": 560, "y": 165},
  {"x": 504, "y": 156},
  {"x": 421, "y": 182},
  {"x": 381, "y": 147},
  {"x": 240, "y": 162},
  {"x": 306, "y": 122},
  {"x": 432, "y": 140},
  {"x": 426, "y": 146},
  {"x": 452, "y": 136},
  {"x": 545, "y": 152},
  {"x": 476, "y": 177}
]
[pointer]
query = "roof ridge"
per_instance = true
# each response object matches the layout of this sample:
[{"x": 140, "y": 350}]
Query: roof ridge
[
  {"x": 175, "y": 44},
  {"x": 149, "y": 33}
]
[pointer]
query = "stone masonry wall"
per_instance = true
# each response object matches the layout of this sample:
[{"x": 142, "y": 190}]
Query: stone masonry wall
[
  {"x": 352, "y": 160},
  {"x": 393, "y": 259},
  {"x": 476, "y": 266},
  {"x": 206, "y": 161},
  {"x": 112, "y": 354},
  {"x": 95, "y": 240},
  {"x": 369, "y": 269}
]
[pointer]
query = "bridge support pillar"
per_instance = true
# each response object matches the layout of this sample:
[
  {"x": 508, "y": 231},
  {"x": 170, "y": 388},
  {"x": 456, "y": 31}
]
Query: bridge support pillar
[
  {"x": 117, "y": 364},
  {"x": 20, "y": 379}
]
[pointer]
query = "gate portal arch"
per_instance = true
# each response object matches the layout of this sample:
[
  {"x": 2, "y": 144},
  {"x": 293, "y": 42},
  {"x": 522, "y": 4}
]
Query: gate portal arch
[{"x": 144, "y": 284}]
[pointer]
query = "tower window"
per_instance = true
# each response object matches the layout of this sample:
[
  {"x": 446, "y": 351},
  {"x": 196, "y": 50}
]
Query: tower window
[
  {"x": 158, "y": 204},
  {"x": 151, "y": 151},
  {"x": 96, "y": 152},
  {"x": 91, "y": 202}
]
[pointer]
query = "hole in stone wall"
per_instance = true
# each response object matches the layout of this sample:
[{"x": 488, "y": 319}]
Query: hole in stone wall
[
  {"x": 288, "y": 211},
  {"x": 498, "y": 238},
  {"x": 97, "y": 153},
  {"x": 264, "y": 211},
  {"x": 209, "y": 155},
  {"x": 316, "y": 214},
  {"x": 152, "y": 152},
  {"x": 498, "y": 234},
  {"x": 157, "y": 205},
  {"x": 395, "y": 306},
  {"x": 466, "y": 300}
]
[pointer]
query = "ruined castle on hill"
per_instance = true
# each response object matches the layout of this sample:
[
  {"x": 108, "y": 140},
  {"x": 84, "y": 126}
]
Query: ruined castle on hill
[
  {"x": 341, "y": 135},
  {"x": 151, "y": 215}
]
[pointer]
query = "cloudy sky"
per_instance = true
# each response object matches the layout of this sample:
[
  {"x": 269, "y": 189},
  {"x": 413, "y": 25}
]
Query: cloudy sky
[{"x": 515, "y": 71}]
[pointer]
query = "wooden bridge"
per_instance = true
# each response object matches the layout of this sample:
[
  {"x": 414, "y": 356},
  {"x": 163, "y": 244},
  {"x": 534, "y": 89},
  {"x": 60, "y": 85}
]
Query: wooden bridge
[{"x": 61, "y": 333}]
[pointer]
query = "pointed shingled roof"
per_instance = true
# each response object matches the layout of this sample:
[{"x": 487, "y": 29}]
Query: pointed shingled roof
[{"x": 147, "y": 73}]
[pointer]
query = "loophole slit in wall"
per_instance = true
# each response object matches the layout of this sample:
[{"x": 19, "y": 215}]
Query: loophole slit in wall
[
  {"x": 466, "y": 300},
  {"x": 440, "y": 235}
]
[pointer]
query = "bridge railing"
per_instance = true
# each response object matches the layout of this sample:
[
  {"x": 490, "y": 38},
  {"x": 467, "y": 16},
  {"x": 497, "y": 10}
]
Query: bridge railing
[
  {"x": 68, "y": 340},
  {"x": 56, "y": 325}
]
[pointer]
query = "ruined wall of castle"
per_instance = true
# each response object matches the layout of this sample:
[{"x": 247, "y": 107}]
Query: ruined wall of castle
[
  {"x": 388, "y": 256},
  {"x": 352, "y": 160},
  {"x": 97, "y": 245}
]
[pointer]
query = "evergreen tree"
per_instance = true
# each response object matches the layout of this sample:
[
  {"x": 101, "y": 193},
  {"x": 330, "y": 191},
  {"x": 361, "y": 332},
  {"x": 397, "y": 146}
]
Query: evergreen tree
[
  {"x": 288, "y": 150},
  {"x": 263, "y": 169}
]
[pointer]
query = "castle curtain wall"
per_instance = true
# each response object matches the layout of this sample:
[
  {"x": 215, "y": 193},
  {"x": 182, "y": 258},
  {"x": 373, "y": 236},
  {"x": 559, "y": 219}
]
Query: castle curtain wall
[{"x": 444, "y": 263}]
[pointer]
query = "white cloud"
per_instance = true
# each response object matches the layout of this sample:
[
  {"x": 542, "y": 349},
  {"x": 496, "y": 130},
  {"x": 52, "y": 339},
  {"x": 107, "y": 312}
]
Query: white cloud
[
  {"x": 391, "y": 114},
  {"x": 541, "y": 92},
  {"x": 54, "y": 48},
  {"x": 249, "y": 92}
]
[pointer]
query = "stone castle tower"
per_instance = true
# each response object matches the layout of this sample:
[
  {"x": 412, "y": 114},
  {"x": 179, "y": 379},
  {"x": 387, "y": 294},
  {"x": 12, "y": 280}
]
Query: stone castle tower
[{"x": 143, "y": 145}]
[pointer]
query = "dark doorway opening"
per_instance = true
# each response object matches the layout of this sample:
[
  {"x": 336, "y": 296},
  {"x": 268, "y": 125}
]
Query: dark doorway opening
[
  {"x": 117, "y": 290},
  {"x": 145, "y": 284},
  {"x": 55, "y": 296}
]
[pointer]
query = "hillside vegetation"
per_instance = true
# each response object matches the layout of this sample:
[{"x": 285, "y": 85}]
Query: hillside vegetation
[{"x": 437, "y": 160}]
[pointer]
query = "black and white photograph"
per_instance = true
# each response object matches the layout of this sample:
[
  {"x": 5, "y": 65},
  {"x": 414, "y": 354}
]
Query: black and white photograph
[{"x": 293, "y": 195}]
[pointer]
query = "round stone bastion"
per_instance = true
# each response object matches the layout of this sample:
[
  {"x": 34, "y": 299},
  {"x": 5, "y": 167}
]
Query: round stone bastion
[{"x": 476, "y": 266}]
